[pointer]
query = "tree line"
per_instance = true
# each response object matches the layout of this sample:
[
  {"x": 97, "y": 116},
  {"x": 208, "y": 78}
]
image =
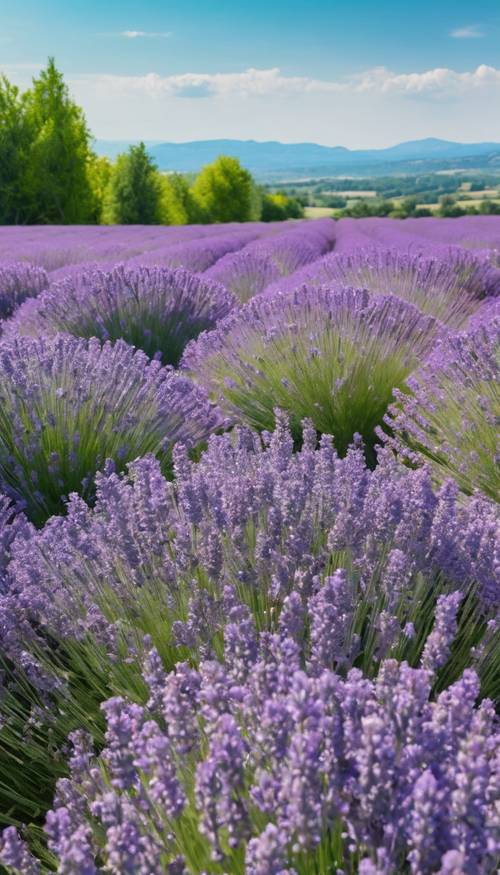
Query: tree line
[
  {"x": 409, "y": 208},
  {"x": 49, "y": 173}
]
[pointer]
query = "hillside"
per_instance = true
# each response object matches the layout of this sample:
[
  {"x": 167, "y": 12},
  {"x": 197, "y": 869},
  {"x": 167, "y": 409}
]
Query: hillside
[{"x": 273, "y": 160}]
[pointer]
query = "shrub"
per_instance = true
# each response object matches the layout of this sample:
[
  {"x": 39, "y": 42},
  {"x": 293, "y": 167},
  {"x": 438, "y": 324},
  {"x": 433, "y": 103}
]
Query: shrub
[
  {"x": 68, "y": 405},
  {"x": 18, "y": 282},
  {"x": 448, "y": 289},
  {"x": 155, "y": 309},
  {"x": 333, "y": 355},
  {"x": 244, "y": 273},
  {"x": 451, "y": 417},
  {"x": 306, "y": 541}
]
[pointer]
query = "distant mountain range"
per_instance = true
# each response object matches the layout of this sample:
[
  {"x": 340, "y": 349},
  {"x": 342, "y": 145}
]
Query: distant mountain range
[{"x": 276, "y": 160}]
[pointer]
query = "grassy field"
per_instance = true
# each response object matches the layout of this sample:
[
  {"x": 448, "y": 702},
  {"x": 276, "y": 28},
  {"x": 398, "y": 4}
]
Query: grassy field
[{"x": 318, "y": 212}]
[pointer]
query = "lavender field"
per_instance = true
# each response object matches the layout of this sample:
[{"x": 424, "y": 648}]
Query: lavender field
[{"x": 249, "y": 548}]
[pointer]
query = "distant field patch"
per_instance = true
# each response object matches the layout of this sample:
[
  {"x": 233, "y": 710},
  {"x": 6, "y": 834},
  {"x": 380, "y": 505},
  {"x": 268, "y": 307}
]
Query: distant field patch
[{"x": 318, "y": 212}]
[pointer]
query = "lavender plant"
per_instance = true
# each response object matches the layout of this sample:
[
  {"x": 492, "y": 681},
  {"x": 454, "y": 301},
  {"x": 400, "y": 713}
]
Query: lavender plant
[
  {"x": 333, "y": 355},
  {"x": 452, "y": 416},
  {"x": 154, "y": 309},
  {"x": 354, "y": 564},
  {"x": 17, "y": 282},
  {"x": 260, "y": 264},
  {"x": 261, "y": 766},
  {"x": 450, "y": 289},
  {"x": 68, "y": 405},
  {"x": 245, "y": 273}
]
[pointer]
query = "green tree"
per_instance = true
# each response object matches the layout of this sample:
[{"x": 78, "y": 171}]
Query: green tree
[
  {"x": 133, "y": 196},
  {"x": 225, "y": 192},
  {"x": 449, "y": 208},
  {"x": 489, "y": 208},
  {"x": 278, "y": 207},
  {"x": 59, "y": 155},
  {"x": 176, "y": 204},
  {"x": 15, "y": 140},
  {"x": 99, "y": 172}
]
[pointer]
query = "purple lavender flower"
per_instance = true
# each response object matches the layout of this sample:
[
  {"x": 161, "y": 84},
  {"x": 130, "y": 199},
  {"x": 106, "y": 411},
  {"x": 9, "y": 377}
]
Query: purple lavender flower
[
  {"x": 441, "y": 287},
  {"x": 404, "y": 778},
  {"x": 438, "y": 644},
  {"x": 266, "y": 854},
  {"x": 70, "y": 405},
  {"x": 155, "y": 309},
  {"x": 18, "y": 282},
  {"x": 220, "y": 786},
  {"x": 333, "y": 355},
  {"x": 15, "y": 854},
  {"x": 451, "y": 417}
]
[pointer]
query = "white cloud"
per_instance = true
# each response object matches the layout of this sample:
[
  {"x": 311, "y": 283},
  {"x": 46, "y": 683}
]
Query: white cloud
[
  {"x": 471, "y": 31},
  {"x": 136, "y": 34},
  {"x": 439, "y": 82},
  {"x": 377, "y": 107}
]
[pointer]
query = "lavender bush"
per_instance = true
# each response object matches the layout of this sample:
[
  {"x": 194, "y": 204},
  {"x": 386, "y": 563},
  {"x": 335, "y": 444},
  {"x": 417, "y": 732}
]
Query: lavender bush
[
  {"x": 333, "y": 355},
  {"x": 251, "y": 270},
  {"x": 356, "y": 565},
  {"x": 260, "y": 766},
  {"x": 452, "y": 416},
  {"x": 245, "y": 273},
  {"x": 154, "y": 309},
  {"x": 68, "y": 405},
  {"x": 449, "y": 289},
  {"x": 18, "y": 282}
]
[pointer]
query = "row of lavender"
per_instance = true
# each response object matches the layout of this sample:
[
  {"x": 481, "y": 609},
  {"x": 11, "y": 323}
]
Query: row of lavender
[{"x": 249, "y": 610}]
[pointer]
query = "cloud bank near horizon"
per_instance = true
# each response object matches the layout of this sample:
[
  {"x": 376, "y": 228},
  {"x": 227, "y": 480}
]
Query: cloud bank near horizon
[
  {"x": 440, "y": 81},
  {"x": 371, "y": 108}
]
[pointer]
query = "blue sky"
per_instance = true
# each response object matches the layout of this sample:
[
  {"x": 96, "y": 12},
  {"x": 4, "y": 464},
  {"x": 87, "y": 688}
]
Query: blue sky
[{"x": 355, "y": 73}]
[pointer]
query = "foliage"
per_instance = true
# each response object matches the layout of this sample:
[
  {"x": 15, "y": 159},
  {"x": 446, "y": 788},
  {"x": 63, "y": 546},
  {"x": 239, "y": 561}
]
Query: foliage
[
  {"x": 99, "y": 173},
  {"x": 16, "y": 137},
  {"x": 278, "y": 207},
  {"x": 45, "y": 148},
  {"x": 224, "y": 192},
  {"x": 133, "y": 194},
  {"x": 68, "y": 405},
  {"x": 332, "y": 355},
  {"x": 176, "y": 206}
]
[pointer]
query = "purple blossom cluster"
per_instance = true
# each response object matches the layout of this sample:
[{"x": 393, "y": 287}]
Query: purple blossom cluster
[
  {"x": 155, "y": 309},
  {"x": 273, "y": 525},
  {"x": 279, "y": 760},
  {"x": 250, "y": 607},
  {"x": 18, "y": 282},
  {"x": 449, "y": 288},
  {"x": 68, "y": 405},
  {"x": 333, "y": 354},
  {"x": 453, "y": 412},
  {"x": 252, "y": 269}
]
